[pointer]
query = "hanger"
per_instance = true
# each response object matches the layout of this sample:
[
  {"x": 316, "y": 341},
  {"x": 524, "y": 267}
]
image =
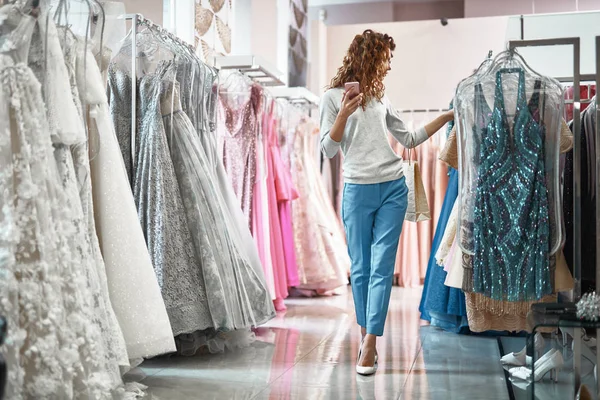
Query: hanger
[{"x": 101, "y": 14}]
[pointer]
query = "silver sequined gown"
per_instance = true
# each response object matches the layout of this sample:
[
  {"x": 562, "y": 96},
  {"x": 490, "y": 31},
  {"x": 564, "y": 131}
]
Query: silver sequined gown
[
  {"x": 208, "y": 285},
  {"x": 159, "y": 203}
]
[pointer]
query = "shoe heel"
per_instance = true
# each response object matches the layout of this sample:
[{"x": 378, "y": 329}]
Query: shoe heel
[{"x": 554, "y": 375}]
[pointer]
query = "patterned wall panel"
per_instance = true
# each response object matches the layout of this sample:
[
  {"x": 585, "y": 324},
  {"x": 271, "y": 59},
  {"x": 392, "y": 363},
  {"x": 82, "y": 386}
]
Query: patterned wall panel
[
  {"x": 212, "y": 30},
  {"x": 297, "y": 42}
]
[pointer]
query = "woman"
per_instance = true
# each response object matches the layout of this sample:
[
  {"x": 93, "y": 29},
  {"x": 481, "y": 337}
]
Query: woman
[{"x": 375, "y": 193}]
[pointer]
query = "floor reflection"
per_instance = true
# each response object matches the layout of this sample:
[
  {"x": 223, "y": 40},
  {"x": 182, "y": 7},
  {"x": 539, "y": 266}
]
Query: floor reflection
[{"x": 309, "y": 352}]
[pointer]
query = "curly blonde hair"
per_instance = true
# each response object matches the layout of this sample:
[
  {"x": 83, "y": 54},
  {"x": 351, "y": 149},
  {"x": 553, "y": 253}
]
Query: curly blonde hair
[{"x": 365, "y": 63}]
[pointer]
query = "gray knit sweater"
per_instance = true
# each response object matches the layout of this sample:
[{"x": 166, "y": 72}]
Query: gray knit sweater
[{"x": 368, "y": 156}]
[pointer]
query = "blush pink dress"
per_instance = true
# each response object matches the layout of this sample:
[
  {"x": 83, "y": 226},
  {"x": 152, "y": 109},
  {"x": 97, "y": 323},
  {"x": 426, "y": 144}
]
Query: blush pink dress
[
  {"x": 260, "y": 217},
  {"x": 321, "y": 252},
  {"x": 238, "y": 135},
  {"x": 277, "y": 249},
  {"x": 245, "y": 157},
  {"x": 285, "y": 193}
]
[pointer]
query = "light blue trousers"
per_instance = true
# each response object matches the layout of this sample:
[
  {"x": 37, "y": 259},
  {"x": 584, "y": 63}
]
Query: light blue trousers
[{"x": 373, "y": 216}]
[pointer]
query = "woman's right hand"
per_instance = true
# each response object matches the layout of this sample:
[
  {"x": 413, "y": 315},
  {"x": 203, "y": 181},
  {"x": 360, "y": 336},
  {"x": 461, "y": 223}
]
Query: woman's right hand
[{"x": 349, "y": 104}]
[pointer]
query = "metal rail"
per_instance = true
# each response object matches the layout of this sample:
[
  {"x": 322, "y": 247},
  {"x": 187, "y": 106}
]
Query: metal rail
[{"x": 575, "y": 43}]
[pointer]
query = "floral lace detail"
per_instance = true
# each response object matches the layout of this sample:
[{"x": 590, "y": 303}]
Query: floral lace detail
[
  {"x": 79, "y": 178},
  {"x": 50, "y": 293},
  {"x": 47, "y": 61},
  {"x": 46, "y": 295}
]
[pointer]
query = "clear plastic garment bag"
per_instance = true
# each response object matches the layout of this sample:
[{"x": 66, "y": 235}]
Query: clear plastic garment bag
[{"x": 508, "y": 126}]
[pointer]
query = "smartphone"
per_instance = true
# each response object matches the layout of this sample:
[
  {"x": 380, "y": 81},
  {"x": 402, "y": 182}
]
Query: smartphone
[{"x": 352, "y": 88}]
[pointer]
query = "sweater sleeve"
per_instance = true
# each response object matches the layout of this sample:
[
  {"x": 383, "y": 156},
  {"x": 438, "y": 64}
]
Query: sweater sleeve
[
  {"x": 328, "y": 112},
  {"x": 408, "y": 139}
]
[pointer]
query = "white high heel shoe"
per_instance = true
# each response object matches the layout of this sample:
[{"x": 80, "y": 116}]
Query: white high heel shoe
[
  {"x": 586, "y": 351},
  {"x": 550, "y": 362},
  {"x": 587, "y": 340},
  {"x": 365, "y": 371},
  {"x": 521, "y": 358}
]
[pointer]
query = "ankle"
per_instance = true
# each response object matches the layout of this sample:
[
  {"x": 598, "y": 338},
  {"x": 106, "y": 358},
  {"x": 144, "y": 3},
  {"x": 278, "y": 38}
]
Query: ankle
[{"x": 369, "y": 341}]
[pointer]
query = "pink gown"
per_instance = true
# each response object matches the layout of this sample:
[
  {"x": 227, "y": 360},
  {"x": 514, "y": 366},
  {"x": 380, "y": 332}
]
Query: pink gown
[
  {"x": 277, "y": 249},
  {"x": 245, "y": 160},
  {"x": 321, "y": 253},
  {"x": 238, "y": 135},
  {"x": 260, "y": 218},
  {"x": 286, "y": 193}
]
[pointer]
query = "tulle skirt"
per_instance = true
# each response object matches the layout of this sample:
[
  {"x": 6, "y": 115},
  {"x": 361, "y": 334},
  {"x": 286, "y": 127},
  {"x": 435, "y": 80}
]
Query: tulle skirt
[{"x": 236, "y": 292}]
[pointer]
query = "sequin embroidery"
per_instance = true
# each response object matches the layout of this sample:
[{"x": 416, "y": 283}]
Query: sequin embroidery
[{"x": 511, "y": 219}]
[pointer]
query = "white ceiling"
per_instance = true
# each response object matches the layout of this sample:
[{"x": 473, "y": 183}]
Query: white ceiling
[{"x": 323, "y": 3}]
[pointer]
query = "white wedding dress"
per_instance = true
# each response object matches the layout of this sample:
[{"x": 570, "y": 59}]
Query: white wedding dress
[
  {"x": 49, "y": 292},
  {"x": 132, "y": 283}
]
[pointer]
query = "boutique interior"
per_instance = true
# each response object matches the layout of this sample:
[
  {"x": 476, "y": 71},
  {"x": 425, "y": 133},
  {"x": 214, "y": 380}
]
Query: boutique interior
[{"x": 182, "y": 186}]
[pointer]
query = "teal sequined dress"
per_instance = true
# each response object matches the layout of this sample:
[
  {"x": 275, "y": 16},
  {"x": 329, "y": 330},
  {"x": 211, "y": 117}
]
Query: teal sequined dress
[{"x": 511, "y": 229}]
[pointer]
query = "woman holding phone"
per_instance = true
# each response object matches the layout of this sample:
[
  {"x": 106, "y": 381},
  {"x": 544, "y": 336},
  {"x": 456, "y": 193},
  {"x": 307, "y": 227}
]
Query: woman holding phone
[{"x": 356, "y": 117}]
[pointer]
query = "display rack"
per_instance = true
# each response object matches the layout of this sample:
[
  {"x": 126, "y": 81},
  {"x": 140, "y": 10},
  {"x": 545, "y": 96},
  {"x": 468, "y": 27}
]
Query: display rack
[
  {"x": 254, "y": 67},
  {"x": 135, "y": 19},
  {"x": 138, "y": 20},
  {"x": 575, "y": 43},
  {"x": 296, "y": 95},
  {"x": 539, "y": 320},
  {"x": 424, "y": 110},
  {"x": 597, "y": 198}
]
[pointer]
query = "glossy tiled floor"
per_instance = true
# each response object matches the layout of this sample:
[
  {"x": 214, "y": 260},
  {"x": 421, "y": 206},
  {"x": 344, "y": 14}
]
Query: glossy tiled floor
[{"x": 309, "y": 353}]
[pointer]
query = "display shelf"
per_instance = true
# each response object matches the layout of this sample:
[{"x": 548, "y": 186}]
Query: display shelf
[
  {"x": 299, "y": 95},
  {"x": 575, "y": 44},
  {"x": 540, "y": 320},
  {"x": 254, "y": 67}
]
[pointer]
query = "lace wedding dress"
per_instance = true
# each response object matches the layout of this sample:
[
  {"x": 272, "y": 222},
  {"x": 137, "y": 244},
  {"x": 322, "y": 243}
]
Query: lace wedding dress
[{"x": 51, "y": 294}]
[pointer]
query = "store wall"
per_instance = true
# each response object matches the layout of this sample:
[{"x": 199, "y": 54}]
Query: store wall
[
  {"x": 265, "y": 29},
  {"x": 487, "y": 8},
  {"x": 358, "y": 13},
  {"x": 241, "y": 42},
  {"x": 428, "y": 10},
  {"x": 388, "y": 11},
  {"x": 557, "y": 61},
  {"x": 429, "y": 60},
  {"x": 151, "y": 9},
  {"x": 318, "y": 57},
  {"x": 182, "y": 21}
]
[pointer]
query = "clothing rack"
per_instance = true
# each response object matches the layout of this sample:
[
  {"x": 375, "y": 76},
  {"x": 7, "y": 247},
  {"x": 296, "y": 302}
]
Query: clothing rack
[
  {"x": 296, "y": 95},
  {"x": 138, "y": 20},
  {"x": 597, "y": 196},
  {"x": 575, "y": 43},
  {"x": 582, "y": 78},
  {"x": 424, "y": 110},
  {"x": 567, "y": 82}
]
